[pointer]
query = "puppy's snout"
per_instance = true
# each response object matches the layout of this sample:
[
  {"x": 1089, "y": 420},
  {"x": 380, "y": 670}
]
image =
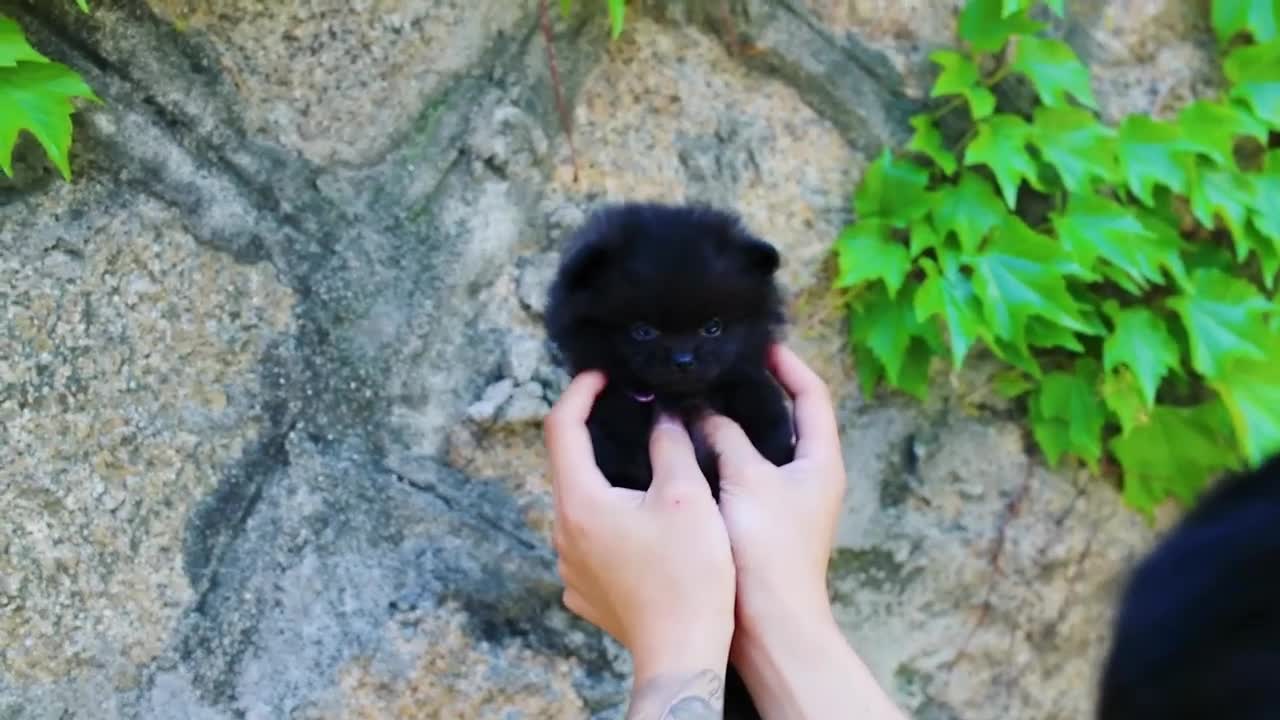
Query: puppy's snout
[{"x": 682, "y": 360}]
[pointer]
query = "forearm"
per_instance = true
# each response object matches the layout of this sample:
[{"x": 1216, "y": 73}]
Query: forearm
[{"x": 808, "y": 670}]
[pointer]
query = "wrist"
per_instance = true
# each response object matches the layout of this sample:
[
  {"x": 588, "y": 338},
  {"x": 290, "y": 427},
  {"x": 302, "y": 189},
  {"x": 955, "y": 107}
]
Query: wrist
[
  {"x": 764, "y": 611},
  {"x": 780, "y": 632},
  {"x": 688, "y": 648}
]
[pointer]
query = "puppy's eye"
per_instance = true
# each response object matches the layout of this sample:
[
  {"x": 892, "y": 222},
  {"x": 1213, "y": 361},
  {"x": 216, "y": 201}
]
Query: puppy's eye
[
  {"x": 642, "y": 332},
  {"x": 713, "y": 327}
]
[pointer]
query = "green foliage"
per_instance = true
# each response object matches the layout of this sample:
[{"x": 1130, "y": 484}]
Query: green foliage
[
  {"x": 1124, "y": 274},
  {"x": 1257, "y": 18},
  {"x": 960, "y": 76},
  {"x": 37, "y": 96},
  {"x": 617, "y": 14}
]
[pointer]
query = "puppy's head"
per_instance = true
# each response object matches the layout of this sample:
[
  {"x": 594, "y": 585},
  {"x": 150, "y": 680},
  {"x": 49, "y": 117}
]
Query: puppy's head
[{"x": 664, "y": 298}]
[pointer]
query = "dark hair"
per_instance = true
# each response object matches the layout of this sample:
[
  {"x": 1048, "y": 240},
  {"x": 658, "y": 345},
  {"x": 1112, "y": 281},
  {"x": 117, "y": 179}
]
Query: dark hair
[{"x": 1198, "y": 631}]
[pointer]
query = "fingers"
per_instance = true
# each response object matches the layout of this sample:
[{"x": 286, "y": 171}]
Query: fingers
[
  {"x": 565, "y": 431},
  {"x": 815, "y": 416},
  {"x": 671, "y": 454},
  {"x": 735, "y": 453}
]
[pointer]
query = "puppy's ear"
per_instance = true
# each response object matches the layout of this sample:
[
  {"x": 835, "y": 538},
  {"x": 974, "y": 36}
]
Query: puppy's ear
[
  {"x": 593, "y": 248},
  {"x": 582, "y": 266},
  {"x": 758, "y": 255}
]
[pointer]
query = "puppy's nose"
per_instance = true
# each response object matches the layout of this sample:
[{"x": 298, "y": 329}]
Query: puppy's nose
[{"x": 682, "y": 360}]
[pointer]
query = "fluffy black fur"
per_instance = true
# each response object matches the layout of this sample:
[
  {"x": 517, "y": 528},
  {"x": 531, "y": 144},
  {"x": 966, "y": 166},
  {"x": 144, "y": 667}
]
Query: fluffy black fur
[
  {"x": 677, "y": 305},
  {"x": 1198, "y": 632}
]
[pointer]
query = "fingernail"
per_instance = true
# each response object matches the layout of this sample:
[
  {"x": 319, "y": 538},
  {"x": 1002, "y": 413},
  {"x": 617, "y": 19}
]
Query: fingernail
[{"x": 668, "y": 420}]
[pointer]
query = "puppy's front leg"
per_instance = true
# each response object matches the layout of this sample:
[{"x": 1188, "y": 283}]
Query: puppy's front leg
[{"x": 759, "y": 406}]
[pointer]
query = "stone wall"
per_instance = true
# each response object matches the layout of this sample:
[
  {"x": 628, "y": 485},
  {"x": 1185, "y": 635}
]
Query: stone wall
[{"x": 271, "y": 372}]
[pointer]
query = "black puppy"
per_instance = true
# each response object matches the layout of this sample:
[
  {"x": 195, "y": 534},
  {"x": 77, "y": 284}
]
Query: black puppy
[
  {"x": 1198, "y": 632},
  {"x": 677, "y": 305}
]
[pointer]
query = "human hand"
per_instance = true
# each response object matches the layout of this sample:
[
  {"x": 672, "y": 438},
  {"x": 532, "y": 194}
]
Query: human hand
[
  {"x": 781, "y": 521},
  {"x": 653, "y": 569}
]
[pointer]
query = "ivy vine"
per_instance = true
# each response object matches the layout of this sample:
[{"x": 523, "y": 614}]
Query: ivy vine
[{"x": 1125, "y": 276}]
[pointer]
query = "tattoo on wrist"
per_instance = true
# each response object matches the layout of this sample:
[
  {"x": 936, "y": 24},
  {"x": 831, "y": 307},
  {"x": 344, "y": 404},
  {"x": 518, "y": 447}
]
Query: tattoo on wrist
[{"x": 689, "y": 697}]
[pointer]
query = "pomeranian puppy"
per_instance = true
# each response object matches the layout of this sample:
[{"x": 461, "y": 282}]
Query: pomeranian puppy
[{"x": 678, "y": 306}]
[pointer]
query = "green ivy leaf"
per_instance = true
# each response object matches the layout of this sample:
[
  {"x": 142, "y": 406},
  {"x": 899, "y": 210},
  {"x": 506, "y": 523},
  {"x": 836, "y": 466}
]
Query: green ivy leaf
[
  {"x": 1079, "y": 147},
  {"x": 914, "y": 378},
  {"x": 1266, "y": 208},
  {"x": 1067, "y": 415},
  {"x": 565, "y": 7},
  {"x": 1174, "y": 454},
  {"x": 960, "y": 76},
  {"x": 1122, "y": 280},
  {"x": 1224, "y": 318},
  {"x": 893, "y": 189},
  {"x": 1260, "y": 18},
  {"x": 1142, "y": 341},
  {"x": 867, "y": 251},
  {"x": 1001, "y": 145},
  {"x": 923, "y": 237},
  {"x": 84, "y": 5},
  {"x": 970, "y": 209},
  {"x": 1163, "y": 247},
  {"x": 1208, "y": 256},
  {"x": 1019, "y": 276},
  {"x": 1053, "y": 436},
  {"x": 617, "y": 15},
  {"x": 870, "y": 371},
  {"x": 1123, "y": 397},
  {"x": 1254, "y": 72},
  {"x": 928, "y": 140},
  {"x": 1226, "y": 194},
  {"x": 37, "y": 98},
  {"x": 14, "y": 47},
  {"x": 985, "y": 26},
  {"x": 1268, "y": 252},
  {"x": 950, "y": 294},
  {"x": 1016, "y": 354},
  {"x": 1009, "y": 7},
  {"x": 1093, "y": 227},
  {"x": 1151, "y": 154},
  {"x": 1211, "y": 129},
  {"x": 887, "y": 326},
  {"x": 1012, "y": 383},
  {"x": 1054, "y": 71},
  {"x": 1251, "y": 391},
  {"x": 1043, "y": 334}
]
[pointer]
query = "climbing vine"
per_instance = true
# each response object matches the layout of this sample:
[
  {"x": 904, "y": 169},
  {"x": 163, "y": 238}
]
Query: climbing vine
[
  {"x": 1125, "y": 276},
  {"x": 36, "y": 96}
]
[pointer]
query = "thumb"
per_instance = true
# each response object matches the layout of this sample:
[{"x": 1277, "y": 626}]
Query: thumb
[
  {"x": 675, "y": 466},
  {"x": 737, "y": 457}
]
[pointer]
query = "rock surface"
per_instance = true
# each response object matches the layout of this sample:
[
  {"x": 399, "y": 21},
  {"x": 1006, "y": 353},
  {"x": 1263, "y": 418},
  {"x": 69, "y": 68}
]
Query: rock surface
[{"x": 271, "y": 368}]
